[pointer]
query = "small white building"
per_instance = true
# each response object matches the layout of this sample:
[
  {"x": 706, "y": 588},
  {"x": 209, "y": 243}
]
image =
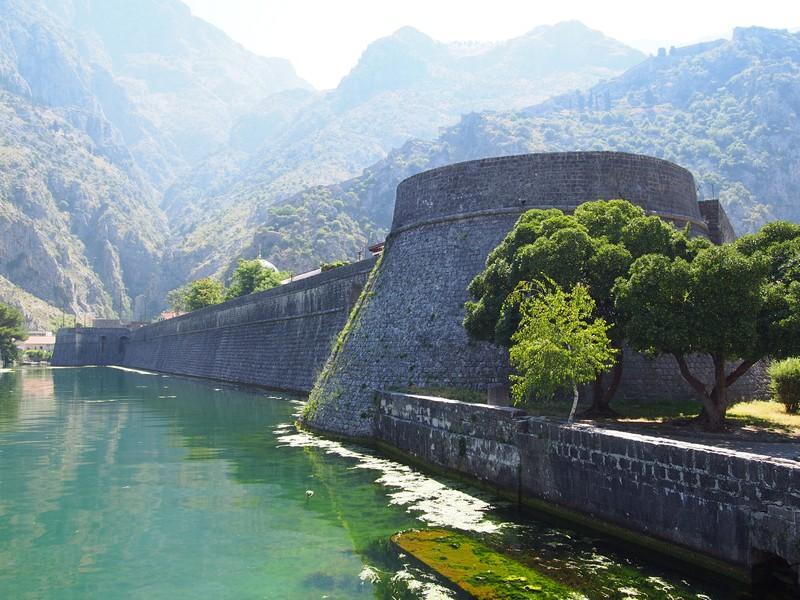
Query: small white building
[{"x": 38, "y": 340}]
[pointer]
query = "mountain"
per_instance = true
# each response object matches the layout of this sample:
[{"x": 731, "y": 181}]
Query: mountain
[
  {"x": 85, "y": 146},
  {"x": 141, "y": 147},
  {"x": 185, "y": 76},
  {"x": 728, "y": 110},
  {"x": 79, "y": 220},
  {"x": 404, "y": 86}
]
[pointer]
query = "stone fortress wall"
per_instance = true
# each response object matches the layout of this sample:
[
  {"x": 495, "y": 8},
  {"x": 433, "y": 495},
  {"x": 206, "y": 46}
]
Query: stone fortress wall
[
  {"x": 405, "y": 330},
  {"x": 279, "y": 338},
  {"x": 408, "y": 331},
  {"x": 77, "y": 346}
]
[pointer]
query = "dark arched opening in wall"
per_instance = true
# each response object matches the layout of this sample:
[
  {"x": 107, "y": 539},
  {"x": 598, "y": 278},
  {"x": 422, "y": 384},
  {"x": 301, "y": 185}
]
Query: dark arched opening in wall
[
  {"x": 123, "y": 344},
  {"x": 774, "y": 577},
  {"x": 102, "y": 345}
]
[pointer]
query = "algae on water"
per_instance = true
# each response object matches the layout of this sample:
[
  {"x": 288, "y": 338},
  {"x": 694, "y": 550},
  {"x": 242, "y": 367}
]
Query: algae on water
[{"x": 478, "y": 570}]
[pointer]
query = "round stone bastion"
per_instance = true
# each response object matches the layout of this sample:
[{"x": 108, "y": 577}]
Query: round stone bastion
[{"x": 406, "y": 331}]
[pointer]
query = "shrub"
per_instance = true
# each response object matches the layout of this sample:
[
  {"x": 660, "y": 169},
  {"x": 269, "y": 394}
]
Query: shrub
[
  {"x": 785, "y": 383},
  {"x": 38, "y": 355},
  {"x": 333, "y": 265}
]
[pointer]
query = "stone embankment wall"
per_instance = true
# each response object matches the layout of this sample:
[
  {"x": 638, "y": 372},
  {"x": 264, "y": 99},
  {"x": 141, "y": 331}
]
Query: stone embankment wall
[
  {"x": 278, "y": 339},
  {"x": 736, "y": 507},
  {"x": 446, "y": 221}
]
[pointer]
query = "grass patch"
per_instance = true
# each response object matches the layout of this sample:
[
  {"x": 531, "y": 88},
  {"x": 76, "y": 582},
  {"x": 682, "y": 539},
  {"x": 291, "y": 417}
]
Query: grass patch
[
  {"x": 755, "y": 415},
  {"x": 765, "y": 414},
  {"x": 478, "y": 570}
]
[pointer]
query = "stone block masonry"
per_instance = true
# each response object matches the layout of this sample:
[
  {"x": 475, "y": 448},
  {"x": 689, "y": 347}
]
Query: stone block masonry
[
  {"x": 279, "y": 338},
  {"x": 409, "y": 332},
  {"x": 733, "y": 506},
  {"x": 77, "y": 346}
]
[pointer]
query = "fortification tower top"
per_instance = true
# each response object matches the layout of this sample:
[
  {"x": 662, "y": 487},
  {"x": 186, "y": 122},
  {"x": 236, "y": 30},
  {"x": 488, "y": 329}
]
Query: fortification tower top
[{"x": 564, "y": 180}]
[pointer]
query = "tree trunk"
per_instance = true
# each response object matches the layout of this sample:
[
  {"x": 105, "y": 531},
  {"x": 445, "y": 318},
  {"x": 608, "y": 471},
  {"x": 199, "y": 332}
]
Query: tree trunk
[
  {"x": 601, "y": 396},
  {"x": 711, "y": 418},
  {"x": 715, "y": 401},
  {"x": 574, "y": 403}
]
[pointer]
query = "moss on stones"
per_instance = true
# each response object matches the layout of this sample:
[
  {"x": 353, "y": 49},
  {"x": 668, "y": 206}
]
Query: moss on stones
[{"x": 477, "y": 569}]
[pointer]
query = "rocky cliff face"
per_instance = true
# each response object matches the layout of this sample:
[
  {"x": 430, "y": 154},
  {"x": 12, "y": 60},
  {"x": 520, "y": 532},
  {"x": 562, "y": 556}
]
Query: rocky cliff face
[
  {"x": 79, "y": 222},
  {"x": 185, "y": 76},
  {"x": 90, "y": 137}
]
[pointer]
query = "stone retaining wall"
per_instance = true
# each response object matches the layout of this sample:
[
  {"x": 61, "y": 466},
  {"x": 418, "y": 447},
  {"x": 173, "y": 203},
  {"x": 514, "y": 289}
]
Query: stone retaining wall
[{"x": 733, "y": 506}]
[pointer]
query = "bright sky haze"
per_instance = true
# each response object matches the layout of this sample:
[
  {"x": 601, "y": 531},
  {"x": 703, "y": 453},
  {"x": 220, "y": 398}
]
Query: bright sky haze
[{"x": 324, "y": 38}]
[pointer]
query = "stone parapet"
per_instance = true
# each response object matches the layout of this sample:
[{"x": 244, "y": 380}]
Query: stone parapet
[{"x": 733, "y": 506}]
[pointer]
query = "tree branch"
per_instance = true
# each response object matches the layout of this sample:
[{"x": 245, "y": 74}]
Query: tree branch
[
  {"x": 696, "y": 384},
  {"x": 743, "y": 367}
]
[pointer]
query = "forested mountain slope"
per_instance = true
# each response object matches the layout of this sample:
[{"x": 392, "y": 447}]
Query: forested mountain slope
[
  {"x": 727, "y": 110},
  {"x": 404, "y": 86}
]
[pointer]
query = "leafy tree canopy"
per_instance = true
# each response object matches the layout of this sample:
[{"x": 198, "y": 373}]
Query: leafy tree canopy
[
  {"x": 559, "y": 344},
  {"x": 204, "y": 292},
  {"x": 736, "y": 302},
  {"x": 252, "y": 276},
  {"x": 593, "y": 247},
  {"x": 12, "y": 330},
  {"x": 176, "y": 299}
]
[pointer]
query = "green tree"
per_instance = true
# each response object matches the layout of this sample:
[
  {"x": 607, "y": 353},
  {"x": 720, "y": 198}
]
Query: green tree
[
  {"x": 12, "y": 330},
  {"x": 176, "y": 299},
  {"x": 252, "y": 276},
  {"x": 593, "y": 247},
  {"x": 204, "y": 292},
  {"x": 735, "y": 303},
  {"x": 327, "y": 266},
  {"x": 559, "y": 344}
]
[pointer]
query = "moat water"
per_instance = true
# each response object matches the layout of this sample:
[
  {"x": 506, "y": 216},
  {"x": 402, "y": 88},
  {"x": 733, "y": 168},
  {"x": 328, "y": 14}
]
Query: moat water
[{"x": 118, "y": 484}]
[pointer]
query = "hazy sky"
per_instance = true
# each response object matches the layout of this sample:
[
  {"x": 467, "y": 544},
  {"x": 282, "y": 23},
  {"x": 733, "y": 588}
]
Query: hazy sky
[{"x": 324, "y": 38}]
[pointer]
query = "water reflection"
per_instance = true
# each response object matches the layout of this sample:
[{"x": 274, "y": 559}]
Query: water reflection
[{"x": 125, "y": 484}]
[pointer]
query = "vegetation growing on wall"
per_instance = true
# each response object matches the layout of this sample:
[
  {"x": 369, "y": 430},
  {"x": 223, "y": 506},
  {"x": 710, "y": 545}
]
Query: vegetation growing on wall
[
  {"x": 328, "y": 266},
  {"x": 315, "y": 397}
]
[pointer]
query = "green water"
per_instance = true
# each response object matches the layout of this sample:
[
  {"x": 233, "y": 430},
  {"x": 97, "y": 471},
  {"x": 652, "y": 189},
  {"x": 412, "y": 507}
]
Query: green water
[{"x": 115, "y": 484}]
